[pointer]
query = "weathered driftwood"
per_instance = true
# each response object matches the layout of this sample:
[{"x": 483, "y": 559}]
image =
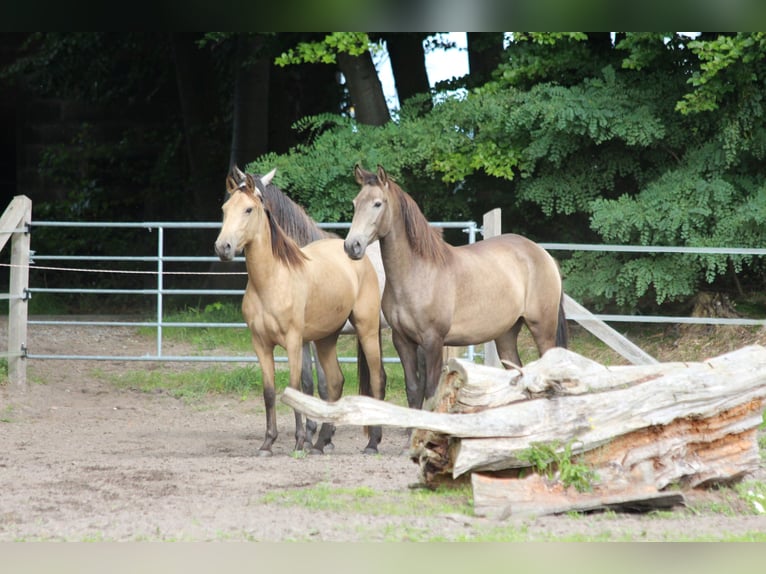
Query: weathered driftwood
[
  {"x": 641, "y": 428},
  {"x": 500, "y": 497}
]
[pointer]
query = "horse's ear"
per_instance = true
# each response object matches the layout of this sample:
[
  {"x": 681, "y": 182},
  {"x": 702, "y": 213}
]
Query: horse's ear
[
  {"x": 231, "y": 185},
  {"x": 359, "y": 174},
  {"x": 266, "y": 179},
  {"x": 250, "y": 186},
  {"x": 382, "y": 176},
  {"x": 239, "y": 175}
]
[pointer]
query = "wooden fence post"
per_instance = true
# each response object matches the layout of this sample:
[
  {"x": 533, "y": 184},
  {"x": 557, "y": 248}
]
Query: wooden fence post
[
  {"x": 17, "y": 214},
  {"x": 492, "y": 226}
]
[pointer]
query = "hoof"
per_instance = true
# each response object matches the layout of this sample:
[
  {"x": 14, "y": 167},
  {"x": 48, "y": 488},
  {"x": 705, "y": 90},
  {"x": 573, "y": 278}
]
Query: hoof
[
  {"x": 370, "y": 450},
  {"x": 315, "y": 450},
  {"x": 329, "y": 447},
  {"x": 264, "y": 453}
]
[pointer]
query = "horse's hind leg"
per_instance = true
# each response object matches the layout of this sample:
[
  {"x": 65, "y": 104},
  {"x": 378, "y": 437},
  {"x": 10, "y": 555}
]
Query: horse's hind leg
[
  {"x": 328, "y": 359},
  {"x": 307, "y": 386},
  {"x": 507, "y": 344},
  {"x": 372, "y": 380}
]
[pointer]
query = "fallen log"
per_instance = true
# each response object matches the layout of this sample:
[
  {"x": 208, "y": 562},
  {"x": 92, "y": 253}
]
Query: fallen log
[{"x": 644, "y": 427}]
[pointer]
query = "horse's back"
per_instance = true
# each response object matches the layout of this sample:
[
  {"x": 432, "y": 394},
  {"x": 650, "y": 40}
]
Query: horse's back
[{"x": 496, "y": 281}]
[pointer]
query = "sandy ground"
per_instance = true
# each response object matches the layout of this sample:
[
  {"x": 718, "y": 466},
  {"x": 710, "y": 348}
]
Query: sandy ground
[{"x": 81, "y": 459}]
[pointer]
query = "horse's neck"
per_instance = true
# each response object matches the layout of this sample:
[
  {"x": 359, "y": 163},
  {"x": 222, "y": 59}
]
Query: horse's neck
[
  {"x": 399, "y": 259},
  {"x": 259, "y": 259}
]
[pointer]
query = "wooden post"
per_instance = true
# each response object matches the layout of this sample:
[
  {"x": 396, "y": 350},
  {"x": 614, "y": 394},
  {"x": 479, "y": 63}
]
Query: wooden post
[
  {"x": 492, "y": 227},
  {"x": 18, "y": 214}
]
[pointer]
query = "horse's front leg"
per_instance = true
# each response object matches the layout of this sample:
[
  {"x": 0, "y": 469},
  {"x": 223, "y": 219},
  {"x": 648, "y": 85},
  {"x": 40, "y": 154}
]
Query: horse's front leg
[
  {"x": 294, "y": 349},
  {"x": 433, "y": 349},
  {"x": 266, "y": 359},
  {"x": 408, "y": 354}
]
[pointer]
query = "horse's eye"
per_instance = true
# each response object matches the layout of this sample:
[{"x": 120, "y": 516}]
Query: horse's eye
[
  {"x": 249, "y": 210},
  {"x": 377, "y": 203}
]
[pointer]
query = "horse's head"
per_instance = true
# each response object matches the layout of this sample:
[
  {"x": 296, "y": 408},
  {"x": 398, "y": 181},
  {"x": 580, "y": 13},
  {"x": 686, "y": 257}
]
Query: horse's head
[
  {"x": 242, "y": 212},
  {"x": 372, "y": 218}
]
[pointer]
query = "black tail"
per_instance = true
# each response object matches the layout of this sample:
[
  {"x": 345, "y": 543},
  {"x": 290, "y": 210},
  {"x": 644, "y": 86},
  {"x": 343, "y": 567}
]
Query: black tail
[
  {"x": 562, "y": 331},
  {"x": 363, "y": 370}
]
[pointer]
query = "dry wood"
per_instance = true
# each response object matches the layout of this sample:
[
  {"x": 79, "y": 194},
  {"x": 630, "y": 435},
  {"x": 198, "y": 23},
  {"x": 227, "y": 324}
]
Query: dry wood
[
  {"x": 641, "y": 428},
  {"x": 500, "y": 497}
]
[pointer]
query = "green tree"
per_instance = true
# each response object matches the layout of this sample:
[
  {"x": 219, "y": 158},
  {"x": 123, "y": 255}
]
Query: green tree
[{"x": 650, "y": 138}]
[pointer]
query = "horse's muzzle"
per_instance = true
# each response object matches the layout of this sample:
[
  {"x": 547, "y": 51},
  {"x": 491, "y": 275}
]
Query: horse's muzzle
[
  {"x": 224, "y": 250},
  {"x": 354, "y": 247}
]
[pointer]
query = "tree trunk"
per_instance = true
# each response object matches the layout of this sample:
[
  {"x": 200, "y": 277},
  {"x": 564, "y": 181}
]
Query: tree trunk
[
  {"x": 250, "y": 124},
  {"x": 296, "y": 92},
  {"x": 196, "y": 90},
  {"x": 408, "y": 62},
  {"x": 485, "y": 52},
  {"x": 364, "y": 86}
]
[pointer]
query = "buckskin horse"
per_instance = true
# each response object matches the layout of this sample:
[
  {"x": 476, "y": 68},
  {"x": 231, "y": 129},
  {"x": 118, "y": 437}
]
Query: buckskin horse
[
  {"x": 437, "y": 294},
  {"x": 298, "y": 294}
]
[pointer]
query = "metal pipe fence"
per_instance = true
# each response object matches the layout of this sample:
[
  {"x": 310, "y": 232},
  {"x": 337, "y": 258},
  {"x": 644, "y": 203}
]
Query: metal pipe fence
[
  {"x": 160, "y": 261},
  {"x": 614, "y": 318}
]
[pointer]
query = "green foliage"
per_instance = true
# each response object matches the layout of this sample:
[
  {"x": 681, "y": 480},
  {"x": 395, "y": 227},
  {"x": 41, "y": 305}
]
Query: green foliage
[
  {"x": 556, "y": 462},
  {"x": 326, "y": 51},
  {"x": 729, "y": 65}
]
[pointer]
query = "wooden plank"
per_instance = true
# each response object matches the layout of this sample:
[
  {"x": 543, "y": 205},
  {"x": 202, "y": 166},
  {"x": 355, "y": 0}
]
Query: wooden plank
[
  {"x": 18, "y": 213},
  {"x": 12, "y": 217},
  {"x": 615, "y": 340},
  {"x": 501, "y": 497},
  {"x": 492, "y": 227}
]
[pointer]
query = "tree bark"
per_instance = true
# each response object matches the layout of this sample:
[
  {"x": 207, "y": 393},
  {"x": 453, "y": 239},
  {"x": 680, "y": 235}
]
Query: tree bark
[
  {"x": 485, "y": 52},
  {"x": 364, "y": 86},
  {"x": 408, "y": 62},
  {"x": 250, "y": 123},
  {"x": 196, "y": 83}
]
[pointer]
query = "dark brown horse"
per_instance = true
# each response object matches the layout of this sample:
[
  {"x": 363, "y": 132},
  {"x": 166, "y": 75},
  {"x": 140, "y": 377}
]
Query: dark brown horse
[
  {"x": 437, "y": 294},
  {"x": 295, "y": 295}
]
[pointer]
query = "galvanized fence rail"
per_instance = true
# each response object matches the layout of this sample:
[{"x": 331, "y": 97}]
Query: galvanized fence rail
[{"x": 160, "y": 260}]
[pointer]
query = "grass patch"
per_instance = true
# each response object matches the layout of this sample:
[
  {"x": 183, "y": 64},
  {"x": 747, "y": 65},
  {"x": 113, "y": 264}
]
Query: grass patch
[
  {"x": 7, "y": 414},
  {"x": 364, "y": 500},
  {"x": 243, "y": 381},
  {"x": 237, "y": 340},
  {"x": 191, "y": 385}
]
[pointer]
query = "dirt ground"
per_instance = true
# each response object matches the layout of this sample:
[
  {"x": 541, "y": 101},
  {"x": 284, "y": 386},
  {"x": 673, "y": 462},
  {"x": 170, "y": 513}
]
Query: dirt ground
[{"x": 81, "y": 459}]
